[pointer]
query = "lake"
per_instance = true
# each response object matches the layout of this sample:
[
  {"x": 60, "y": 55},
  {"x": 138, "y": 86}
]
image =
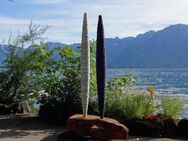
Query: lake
[{"x": 165, "y": 80}]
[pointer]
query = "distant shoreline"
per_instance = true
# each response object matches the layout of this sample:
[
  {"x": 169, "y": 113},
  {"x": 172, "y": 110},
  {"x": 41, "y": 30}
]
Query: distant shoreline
[{"x": 147, "y": 67}]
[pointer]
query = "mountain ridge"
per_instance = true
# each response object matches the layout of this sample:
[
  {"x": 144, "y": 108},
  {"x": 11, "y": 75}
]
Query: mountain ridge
[{"x": 153, "y": 49}]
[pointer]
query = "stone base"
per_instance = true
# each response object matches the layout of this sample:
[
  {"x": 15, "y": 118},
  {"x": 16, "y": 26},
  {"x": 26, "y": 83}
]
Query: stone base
[{"x": 95, "y": 127}]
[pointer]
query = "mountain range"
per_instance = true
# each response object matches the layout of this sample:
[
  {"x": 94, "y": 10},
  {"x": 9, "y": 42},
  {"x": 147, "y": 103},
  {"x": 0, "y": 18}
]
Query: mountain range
[{"x": 164, "y": 48}]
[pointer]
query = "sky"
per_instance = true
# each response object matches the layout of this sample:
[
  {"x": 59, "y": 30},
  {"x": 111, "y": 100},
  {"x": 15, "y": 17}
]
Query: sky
[{"x": 121, "y": 18}]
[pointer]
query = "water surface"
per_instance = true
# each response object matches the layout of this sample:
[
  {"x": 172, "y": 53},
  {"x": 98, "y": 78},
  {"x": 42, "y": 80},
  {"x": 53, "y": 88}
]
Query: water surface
[{"x": 166, "y": 80}]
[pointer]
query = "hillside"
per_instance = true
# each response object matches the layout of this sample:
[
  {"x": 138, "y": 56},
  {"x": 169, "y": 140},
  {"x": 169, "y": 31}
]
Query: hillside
[{"x": 164, "y": 48}]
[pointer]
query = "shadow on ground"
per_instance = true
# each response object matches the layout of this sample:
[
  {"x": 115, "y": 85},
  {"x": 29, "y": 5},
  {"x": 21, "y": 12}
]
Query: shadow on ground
[
  {"x": 17, "y": 127},
  {"x": 29, "y": 128}
]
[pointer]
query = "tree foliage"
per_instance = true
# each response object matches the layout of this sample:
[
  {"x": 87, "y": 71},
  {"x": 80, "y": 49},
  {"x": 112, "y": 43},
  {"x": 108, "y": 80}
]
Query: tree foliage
[
  {"x": 14, "y": 81},
  {"x": 57, "y": 71}
]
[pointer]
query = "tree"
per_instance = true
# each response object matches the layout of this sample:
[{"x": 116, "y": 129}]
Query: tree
[
  {"x": 14, "y": 80},
  {"x": 57, "y": 72}
]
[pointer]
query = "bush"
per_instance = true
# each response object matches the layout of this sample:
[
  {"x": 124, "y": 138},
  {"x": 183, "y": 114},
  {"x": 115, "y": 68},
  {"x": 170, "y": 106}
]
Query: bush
[
  {"x": 57, "y": 72},
  {"x": 15, "y": 78},
  {"x": 120, "y": 105},
  {"x": 61, "y": 80},
  {"x": 171, "y": 107},
  {"x": 136, "y": 104},
  {"x": 140, "y": 103},
  {"x": 56, "y": 111}
]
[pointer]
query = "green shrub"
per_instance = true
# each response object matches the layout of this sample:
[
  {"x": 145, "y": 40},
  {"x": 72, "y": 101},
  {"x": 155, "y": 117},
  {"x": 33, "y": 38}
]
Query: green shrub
[
  {"x": 171, "y": 107},
  {"x": 134, "y": 105},
  {"x": 57, "y": 71},
  {"x": 120, "y": 105},
  {"x": 121, "y": 83},
  {"x": 57, "y": 111},
  {"x": 15, "y": 80}
]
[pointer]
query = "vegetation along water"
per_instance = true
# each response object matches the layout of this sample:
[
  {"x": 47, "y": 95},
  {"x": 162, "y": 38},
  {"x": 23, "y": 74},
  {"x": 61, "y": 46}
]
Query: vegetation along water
[{"x": 166, "y": 80}]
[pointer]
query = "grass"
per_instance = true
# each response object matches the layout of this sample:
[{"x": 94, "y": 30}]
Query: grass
[
  {"x": 129, "y": 105},
  {"x": 171, "y": 106}
]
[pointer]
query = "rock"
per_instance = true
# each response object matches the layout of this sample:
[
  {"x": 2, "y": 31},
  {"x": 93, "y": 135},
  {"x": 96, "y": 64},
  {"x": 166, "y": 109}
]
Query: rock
[
  {"x": 183, "y": 127},
  {"x": 141, "y": 127},
  {"x": 93, "y": 126},
  {"x": 170, "y": 128}
]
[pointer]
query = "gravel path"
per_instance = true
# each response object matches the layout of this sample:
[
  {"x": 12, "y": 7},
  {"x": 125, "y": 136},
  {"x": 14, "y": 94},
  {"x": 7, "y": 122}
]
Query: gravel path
[{"x": 29, "y": 128}]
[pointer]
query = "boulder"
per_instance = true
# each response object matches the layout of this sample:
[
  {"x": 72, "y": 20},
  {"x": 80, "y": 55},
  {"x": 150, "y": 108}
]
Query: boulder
[
  {"x": 183, "y": 127},
  {"x": 143, "y": 127},
  {"x": 95, "y": 127},
  {"x": 170, "y": 128}
]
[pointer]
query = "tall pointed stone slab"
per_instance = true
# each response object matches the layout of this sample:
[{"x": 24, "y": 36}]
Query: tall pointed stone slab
[
  {"x": 85, "y": 67},
  {"x": 100, "y": 64},
  {"x": 97, "y": 127}
]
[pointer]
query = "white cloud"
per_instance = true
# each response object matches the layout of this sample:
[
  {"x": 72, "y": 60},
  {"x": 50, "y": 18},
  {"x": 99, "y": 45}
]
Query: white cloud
[
  {"x": 121, "y": 17},
  {"x": 61, "y": 30},
  {"x": 124, "y": 17}
]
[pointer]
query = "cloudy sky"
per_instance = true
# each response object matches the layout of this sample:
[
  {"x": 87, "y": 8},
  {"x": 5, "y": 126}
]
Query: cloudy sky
[{"x": 121, "y": 18}]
